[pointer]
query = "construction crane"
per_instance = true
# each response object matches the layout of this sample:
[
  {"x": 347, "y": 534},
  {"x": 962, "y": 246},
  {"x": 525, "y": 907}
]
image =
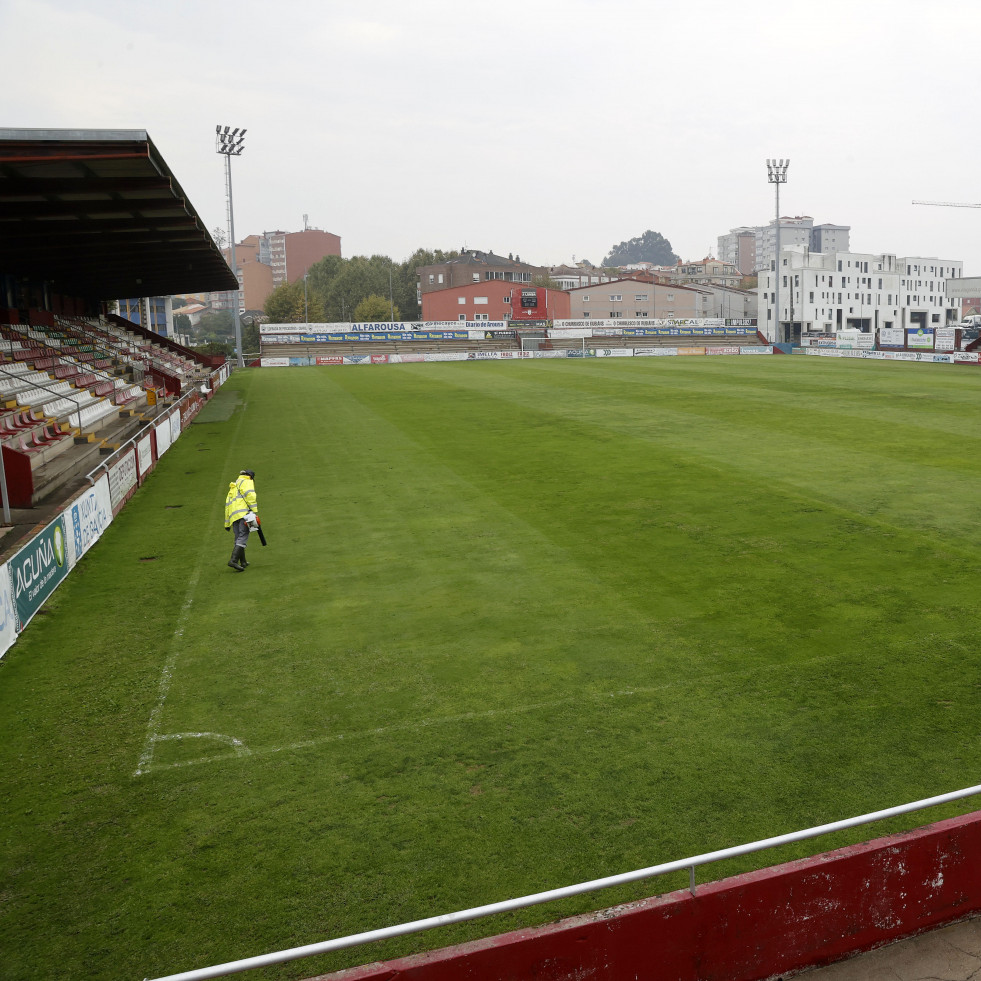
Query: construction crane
[{"x": 948, "y": 204}]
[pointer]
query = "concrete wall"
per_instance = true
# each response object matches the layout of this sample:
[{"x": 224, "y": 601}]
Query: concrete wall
[{"x": 760, "y": 925}]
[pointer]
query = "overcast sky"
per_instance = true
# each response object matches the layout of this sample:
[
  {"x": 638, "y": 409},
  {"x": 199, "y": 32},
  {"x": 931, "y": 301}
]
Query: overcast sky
[{"x": 548, "y": 129}]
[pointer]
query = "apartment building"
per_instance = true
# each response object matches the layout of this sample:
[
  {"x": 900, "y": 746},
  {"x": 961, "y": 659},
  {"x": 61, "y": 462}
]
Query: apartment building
[
  {"x": 634, "y": 299},
  {"x": 571, "y": 277},
  {"x": 724, "y": 301},
  {"x": 271, "y": 259},
  {"x": 473, "y": 266},
  {"x": 738, "y": 248},
  {"x": 751, "y": 248},
  {"x": 793, "y": 232},
  {"x": 829, "y": 238},
  {"x": 823, "y": 293},
  {"x": 707, "y": 270}
]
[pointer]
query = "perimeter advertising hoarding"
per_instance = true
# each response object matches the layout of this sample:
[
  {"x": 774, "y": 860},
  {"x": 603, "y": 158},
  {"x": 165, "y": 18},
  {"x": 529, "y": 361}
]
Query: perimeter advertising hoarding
[
  {"x": 8, "y": 618},
  {"x": 38, "y": 568},
  {"x": 920, "y": 338},
  {"x": 892, "y": 337},
  {"x": 87, "y": 517},
  {"x": 163, "y": 437},
  {"x": 268, "y": 331},
  {"x": 123, "y": 478},
  {"x": 144, "y": 455}
]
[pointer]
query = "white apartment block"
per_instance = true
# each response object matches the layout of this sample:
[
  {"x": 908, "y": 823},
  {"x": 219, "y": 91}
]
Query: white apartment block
[{"x": 823, "y": 293}]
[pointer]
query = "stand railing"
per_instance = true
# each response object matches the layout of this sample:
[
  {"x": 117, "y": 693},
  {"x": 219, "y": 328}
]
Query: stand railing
[{"x": 418, "y": 926}]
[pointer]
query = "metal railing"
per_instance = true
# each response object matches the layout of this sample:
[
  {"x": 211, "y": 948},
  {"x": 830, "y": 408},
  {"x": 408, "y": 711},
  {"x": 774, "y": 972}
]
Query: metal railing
[
  {"x": 50, "y": 391},
  {"x": 418, "y": 926},
  {"x": 93, "y": 475}
]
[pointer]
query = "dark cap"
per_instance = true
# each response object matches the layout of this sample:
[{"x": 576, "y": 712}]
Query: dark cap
[{"x": 247, "y": 473}]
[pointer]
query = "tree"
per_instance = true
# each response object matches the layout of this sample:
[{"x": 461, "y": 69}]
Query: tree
[
  {"x": 217, "y": 327},
  {"x": 288, "y": 305},
  {"x": 375, "y": 308},
  {"x": 543, "y": 279},
  {"x": 649, "y": 247},
  {"x": 250, "y": 334},
  {"x": 338, "y": 285}
]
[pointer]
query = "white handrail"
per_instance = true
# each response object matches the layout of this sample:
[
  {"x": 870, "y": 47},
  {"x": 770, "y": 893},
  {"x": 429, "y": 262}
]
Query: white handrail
[{"x": 418, "y": 926}]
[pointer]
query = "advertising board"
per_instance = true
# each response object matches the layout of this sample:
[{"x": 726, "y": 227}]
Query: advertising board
[
  {"x": 38, "y": 568},
  {"x": 920, "y": 338}
]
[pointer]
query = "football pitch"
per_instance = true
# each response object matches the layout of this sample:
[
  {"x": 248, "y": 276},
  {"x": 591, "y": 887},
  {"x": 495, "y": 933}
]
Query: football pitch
[{"x": 518, "y": 626}]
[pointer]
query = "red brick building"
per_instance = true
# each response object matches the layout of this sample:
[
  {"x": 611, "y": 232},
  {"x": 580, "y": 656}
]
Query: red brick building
[{"x": 490, "y": 300}]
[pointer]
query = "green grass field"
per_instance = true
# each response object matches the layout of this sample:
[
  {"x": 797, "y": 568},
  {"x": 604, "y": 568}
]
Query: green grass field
[{"x": 518, "y": 626}]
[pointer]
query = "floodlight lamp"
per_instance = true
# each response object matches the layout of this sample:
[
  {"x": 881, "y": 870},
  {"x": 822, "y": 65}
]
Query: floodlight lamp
[{"x": 777, "y": 170}]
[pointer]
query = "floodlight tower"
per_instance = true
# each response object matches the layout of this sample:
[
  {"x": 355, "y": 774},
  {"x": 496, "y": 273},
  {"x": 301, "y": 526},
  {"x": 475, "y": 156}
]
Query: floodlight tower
[
  {"x": 776, "y": 173},
  {"x": 230, "y": 144}
]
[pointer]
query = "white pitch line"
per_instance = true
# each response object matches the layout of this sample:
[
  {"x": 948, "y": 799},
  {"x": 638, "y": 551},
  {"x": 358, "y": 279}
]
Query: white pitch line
[
  {"x": 418, "y": 724},
  {"x": 153, "y": 727}
]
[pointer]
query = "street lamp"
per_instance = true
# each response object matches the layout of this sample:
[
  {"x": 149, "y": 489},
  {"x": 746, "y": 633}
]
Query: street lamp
[
  {"x": 229, "y": 144},
  {"x": 776, "y": 173}
]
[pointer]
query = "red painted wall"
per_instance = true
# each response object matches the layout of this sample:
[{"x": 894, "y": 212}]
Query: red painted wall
[
  {"x": 445, "y": 304},
  {"x": 749, "y": 927}
]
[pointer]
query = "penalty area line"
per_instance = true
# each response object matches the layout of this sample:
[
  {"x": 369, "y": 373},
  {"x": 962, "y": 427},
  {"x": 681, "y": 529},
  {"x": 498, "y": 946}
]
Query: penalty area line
[{"x": 241, "y": 750}]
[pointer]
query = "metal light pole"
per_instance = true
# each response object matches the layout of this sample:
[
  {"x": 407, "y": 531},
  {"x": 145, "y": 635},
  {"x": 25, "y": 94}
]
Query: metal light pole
[
  {"x": 306, "y": 305},
  {"x": 776, "y": 171},
  {"x": 229, "y": 144}
]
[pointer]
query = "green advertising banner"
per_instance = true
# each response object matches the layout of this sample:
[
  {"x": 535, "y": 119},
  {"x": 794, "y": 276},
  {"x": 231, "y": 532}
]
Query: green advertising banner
[{"x": 37, "y": 569}]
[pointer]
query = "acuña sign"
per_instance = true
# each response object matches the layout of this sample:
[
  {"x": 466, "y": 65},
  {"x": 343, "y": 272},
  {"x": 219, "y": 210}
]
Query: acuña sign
[{"x": 38, "y": 569}]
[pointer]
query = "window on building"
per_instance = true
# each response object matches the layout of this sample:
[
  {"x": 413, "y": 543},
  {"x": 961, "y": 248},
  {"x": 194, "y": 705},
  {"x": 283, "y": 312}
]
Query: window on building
[
  {"x": 670, "y": 297},
  {"x": 614, "y": 315},
  {"x": 481, "y": 316},
  {"x": 440, "y": 277},
  {"x": 432, "y": 279},
  {"x": 640, "y": 296},
  {"x": 461, "y": 300},
  {"x": 585, "y": 296},
  {"x": 480, "y": 299},
  {"x": 476, "y": 277},
  {"x": 462, "y": 316},
  {"x": 616, "y": 297}
]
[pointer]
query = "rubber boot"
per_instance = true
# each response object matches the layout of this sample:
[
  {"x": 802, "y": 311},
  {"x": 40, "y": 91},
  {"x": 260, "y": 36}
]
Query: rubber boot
[{"x": 237, "y": 560}]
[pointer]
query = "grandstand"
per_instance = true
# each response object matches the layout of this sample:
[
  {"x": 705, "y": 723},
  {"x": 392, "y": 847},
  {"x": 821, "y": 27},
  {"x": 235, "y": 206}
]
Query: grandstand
[{"x": 87, "y": 217}]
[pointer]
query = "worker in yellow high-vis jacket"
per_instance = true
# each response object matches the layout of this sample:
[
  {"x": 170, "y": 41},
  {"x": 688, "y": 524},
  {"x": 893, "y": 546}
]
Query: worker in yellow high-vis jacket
[{"x": 241, "y": 515}]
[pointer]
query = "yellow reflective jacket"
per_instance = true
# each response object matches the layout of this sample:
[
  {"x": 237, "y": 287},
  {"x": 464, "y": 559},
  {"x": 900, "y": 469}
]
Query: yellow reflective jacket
[{"x": 240, "y": 500}]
